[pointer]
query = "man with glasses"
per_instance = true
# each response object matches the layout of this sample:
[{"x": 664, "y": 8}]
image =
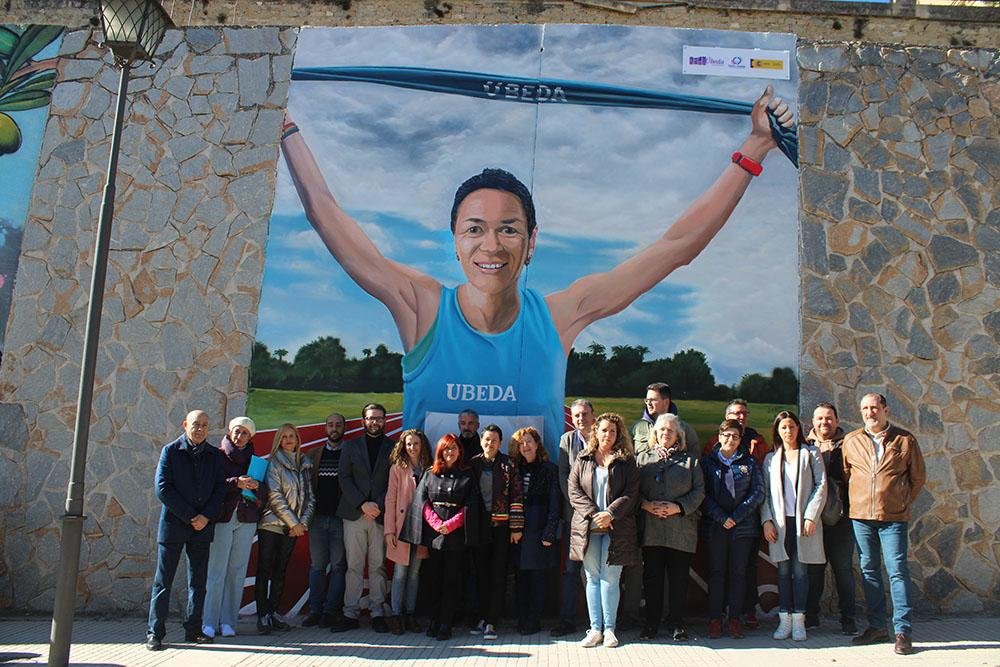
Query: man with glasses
[
  {"x": 657, "y": 402},
  {"x": 364, "y": 479}
]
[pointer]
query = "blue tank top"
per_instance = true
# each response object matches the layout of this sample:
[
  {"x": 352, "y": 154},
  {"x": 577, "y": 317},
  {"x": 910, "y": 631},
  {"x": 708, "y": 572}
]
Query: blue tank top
[{"x": 513, "y": 378}]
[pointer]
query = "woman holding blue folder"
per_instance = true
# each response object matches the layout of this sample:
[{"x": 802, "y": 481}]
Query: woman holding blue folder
[{"x": 234, "y": 530}]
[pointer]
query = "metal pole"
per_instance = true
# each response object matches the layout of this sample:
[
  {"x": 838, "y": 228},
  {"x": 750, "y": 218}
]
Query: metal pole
[{"x": 72, "y": 522}]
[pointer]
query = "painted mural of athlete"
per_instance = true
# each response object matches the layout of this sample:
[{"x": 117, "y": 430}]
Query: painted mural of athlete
[{"x": 448, "y": 333}]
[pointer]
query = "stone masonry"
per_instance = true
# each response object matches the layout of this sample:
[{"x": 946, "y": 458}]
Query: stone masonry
[
  {"x": 900, "y": 286},
  {"x": 195, "y": 189},
  {"x": 900, "y": 271}
]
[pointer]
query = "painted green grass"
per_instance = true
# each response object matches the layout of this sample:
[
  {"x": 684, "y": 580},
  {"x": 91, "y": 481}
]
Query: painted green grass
[{"x": 269, "y": 408}]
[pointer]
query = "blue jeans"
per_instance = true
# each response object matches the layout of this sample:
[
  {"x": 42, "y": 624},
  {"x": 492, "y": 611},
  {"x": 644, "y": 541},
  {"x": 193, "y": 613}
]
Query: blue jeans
[
  {"x": 888, "y": 541},
  {"x": 793, "y": 575},
  {"x": 227, "y": 572},
  {"x": 326, "y": 548},
  {"x": 603, "y": 592},
  {"x": 569, "y": 592},
  {"x": 168, "y": 556},
  {"x": 405, "y": 579}
]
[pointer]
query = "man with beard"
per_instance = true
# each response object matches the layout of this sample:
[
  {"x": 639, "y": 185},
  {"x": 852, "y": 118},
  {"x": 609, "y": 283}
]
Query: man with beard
[
  {"x": 326, "y": 534},
  {"x": 838, "y": 539},
  {"x": 468, "y": 433},
  {"x": 885, "y": 472},
  {"x": 364, "y": 480}
]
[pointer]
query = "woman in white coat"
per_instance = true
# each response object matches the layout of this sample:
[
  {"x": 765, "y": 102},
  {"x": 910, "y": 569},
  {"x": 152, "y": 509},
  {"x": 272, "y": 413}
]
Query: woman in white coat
[{"x": 795, "y": 491}]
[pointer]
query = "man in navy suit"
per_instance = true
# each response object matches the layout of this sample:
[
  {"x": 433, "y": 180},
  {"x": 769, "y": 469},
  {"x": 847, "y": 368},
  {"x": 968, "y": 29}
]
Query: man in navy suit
[{"x": 191, "y": 486}]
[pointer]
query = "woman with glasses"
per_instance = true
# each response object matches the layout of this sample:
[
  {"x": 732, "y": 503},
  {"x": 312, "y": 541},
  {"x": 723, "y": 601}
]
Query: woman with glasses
[
  {"x": 445, "y": 516},
  {"x": 734, "y": 488}
]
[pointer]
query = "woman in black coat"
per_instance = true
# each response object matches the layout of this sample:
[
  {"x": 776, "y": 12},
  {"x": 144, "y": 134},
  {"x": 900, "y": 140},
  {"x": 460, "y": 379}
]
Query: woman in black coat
[
  {"x": 734, "y": 490},
  {"x": 445, "y": 516},
  {"x": 534, "y": 556}
]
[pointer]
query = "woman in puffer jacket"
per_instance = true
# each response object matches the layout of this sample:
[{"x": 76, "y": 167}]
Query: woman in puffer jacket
[{"x": 289, "y": 510}]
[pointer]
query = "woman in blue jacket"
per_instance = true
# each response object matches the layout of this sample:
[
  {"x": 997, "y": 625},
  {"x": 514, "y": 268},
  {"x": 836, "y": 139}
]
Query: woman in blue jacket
[{"x": 734, "y": 489}]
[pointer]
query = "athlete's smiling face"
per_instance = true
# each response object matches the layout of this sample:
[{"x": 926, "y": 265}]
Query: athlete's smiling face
[{"x": 492, "y": 240}]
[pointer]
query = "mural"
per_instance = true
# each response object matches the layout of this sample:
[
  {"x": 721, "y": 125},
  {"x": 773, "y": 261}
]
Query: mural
[
  {"x": 620, "y": 139},
  {"x": 27, "y": 73}
]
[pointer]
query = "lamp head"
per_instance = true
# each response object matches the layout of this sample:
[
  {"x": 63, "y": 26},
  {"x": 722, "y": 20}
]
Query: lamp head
[{"x": 133, "y": 29}]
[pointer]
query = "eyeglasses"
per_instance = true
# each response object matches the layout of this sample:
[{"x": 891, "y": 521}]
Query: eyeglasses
[
  {"x": 652, "y": 400},
  {"x": 729, "y": 435},
  {"x": 374, "y": 419}
]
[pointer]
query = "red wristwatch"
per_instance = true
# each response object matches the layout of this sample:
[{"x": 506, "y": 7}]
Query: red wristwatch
[{"x": 747, "y": 164}]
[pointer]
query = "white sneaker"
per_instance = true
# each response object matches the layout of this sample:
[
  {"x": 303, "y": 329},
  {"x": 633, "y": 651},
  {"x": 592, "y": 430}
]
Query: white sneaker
[
  {"x": 610, "y": 641},
  {"x": 593, "y": 638},
  {"x": 799, "y": 627},
  {"x": 479, "y": 629},
  {"x": 228, "y": 631},
  {"x": 208, "y": 631},
  {"x": 490, "y": 632}
]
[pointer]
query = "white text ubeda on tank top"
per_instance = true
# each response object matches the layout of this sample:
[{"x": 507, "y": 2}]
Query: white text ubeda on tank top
[{"x": 480, "y": 392}]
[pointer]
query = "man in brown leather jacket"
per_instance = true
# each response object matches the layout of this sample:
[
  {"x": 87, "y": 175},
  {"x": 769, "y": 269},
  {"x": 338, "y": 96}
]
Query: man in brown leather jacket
[{"x": 885, "y": 472}]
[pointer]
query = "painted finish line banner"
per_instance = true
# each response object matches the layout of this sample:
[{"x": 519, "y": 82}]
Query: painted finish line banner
[
  {"x": 541, "y": 90},
  {"x": 747, "y": 63}
]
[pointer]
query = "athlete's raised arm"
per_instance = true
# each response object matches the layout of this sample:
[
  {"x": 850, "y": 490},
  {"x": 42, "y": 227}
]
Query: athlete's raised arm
[
  {"x": 411, "y": 296},
  {"x": 600, "y": 295}
]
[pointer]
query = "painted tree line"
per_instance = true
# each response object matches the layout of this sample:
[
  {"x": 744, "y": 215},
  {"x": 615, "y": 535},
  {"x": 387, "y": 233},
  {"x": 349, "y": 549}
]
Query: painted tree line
[{"x": 323, "y": 365}]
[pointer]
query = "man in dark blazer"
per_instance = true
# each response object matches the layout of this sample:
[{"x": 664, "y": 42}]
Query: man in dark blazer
[
  {"x": 364, "y": 480},
  {"x": 191, "y": 485}
]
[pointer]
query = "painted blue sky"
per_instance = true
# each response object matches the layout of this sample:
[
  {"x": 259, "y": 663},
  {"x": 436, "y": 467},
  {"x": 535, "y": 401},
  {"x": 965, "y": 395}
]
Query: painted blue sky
[{"x": 605, "y": 182}]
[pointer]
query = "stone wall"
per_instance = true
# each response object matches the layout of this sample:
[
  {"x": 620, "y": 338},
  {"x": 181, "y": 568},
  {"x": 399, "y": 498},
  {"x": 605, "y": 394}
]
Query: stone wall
[
  {"x": 900, "y": 269},
  {"x": 900, "y": 286},
  {"x": 195, "y": 188}
]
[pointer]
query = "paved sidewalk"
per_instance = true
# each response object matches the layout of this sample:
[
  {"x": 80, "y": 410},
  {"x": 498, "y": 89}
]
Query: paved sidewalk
[{"x": 952, "y": 642}]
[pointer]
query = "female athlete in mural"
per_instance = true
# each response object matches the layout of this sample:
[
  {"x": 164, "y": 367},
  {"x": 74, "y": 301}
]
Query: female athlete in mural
[{"x": 490, "y": 344}]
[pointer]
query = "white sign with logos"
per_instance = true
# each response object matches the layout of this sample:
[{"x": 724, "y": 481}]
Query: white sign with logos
[{"x": 749, "y": 63}]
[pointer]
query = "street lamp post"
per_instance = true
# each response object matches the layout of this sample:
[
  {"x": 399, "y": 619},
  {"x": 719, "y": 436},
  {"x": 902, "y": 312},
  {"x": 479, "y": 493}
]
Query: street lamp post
[{"x": 133, "y": 29}]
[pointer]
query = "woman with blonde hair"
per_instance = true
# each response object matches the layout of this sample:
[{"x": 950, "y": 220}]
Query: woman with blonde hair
[
  {"x": 534, "y": 556},
  {"x": 604, "y": 490},
  {"x": 409, "y": 459},
  {"x": 289, "y": 510}
]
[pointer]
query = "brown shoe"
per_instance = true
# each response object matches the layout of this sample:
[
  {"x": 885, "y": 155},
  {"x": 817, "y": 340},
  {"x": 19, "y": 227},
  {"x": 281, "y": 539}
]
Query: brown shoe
[
  {"x": 395, "y": 626},
  {"x": 750, "y": 621},
  {"x": 871, "y": 636},
  {"x": 903, "y": 644},
  {"x": 714, "y": 628},
  {"x": 735, "y": 629}
]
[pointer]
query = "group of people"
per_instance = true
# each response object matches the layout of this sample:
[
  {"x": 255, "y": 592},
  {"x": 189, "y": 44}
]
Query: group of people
[{"x": 628, "y": 503}]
